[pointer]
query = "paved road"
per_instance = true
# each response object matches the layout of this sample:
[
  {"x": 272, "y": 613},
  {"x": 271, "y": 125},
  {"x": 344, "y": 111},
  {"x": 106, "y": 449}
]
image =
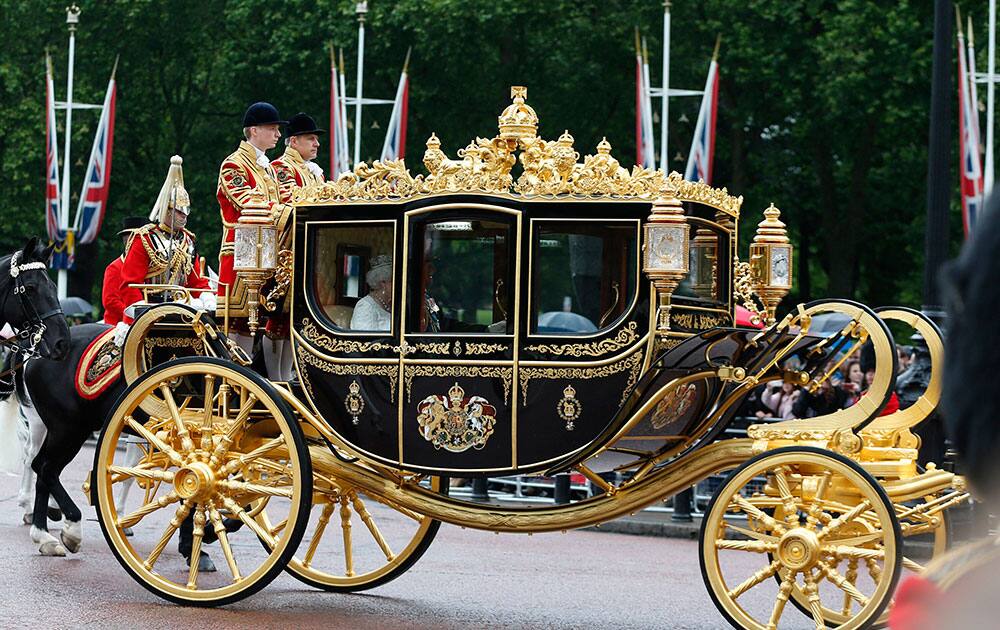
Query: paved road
[{"x": 466, "y": 579}]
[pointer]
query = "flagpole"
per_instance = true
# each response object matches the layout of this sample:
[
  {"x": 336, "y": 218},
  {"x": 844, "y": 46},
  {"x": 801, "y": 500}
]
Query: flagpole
[
  {"x": 665, "y": 106},
  {"x": 974, "y": 101},
  {"x": 991, "y": 68},
  {"x": 334, "y": 110},
  {"x": 345, "y": 153},
  {"x": 650, "y": 151},
  {"x": 362, "y": 9},
  {"x": 72, "y": 19}
]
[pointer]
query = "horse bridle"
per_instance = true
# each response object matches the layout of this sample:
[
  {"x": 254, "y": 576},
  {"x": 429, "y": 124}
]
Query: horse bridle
[{"x": 30, "y": 335}]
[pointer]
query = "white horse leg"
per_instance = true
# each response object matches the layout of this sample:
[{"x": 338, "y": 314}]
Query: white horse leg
[
  {"x": 132, "y": 456},
  {"x": 47, "y": 543},
  {"x": 33, "y": 432},
  {"x": 71, "y": 535}
]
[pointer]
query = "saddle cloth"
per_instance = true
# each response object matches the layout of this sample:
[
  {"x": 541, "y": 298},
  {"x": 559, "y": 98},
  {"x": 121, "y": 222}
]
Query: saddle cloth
[{"x": 99, "y": 367}]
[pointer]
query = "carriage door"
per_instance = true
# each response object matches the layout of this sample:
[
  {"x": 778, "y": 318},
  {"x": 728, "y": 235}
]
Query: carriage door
[{"x": 456, "y": 389}]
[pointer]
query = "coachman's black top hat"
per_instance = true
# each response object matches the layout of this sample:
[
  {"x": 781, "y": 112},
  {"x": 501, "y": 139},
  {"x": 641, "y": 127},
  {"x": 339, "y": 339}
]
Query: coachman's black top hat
[
  {"x": 262, "y": 114},
  {"x": 301, "y": 124},
  {"x": 130, "y": 224}
]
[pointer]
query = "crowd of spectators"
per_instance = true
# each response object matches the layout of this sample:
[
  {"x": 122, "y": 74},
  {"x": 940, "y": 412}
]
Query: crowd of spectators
[{"x": 844, "y": 387}]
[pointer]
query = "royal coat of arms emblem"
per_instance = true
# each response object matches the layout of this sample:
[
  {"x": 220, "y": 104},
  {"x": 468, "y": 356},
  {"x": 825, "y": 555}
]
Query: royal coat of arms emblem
[{"x": 456, "y": 423}]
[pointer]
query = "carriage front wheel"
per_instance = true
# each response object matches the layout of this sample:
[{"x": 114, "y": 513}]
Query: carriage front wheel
[
  {"x": 225, "y": 443},
  {"x": 815, "y": 519}
]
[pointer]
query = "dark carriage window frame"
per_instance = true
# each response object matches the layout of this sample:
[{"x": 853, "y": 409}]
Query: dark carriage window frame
[
  {"x": 533, "y": 270},
  {"x": 415, "y": 226},
  {"x": 316, "y": 310},
  {"x": 721, "y": 302}
]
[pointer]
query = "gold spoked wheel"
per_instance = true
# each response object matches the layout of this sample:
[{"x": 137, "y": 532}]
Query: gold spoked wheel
[
  {"x": 354, "y": 541},
  {"x": 816, "y": 520},
  {"x": 225, "y": 444},
  {"x": 934, "y": 531}
]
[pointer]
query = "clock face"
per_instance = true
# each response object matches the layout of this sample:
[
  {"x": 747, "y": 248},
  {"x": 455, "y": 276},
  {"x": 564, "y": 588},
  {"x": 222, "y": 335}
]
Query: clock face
[
  {"x": 780, "y": 267},
  {"x": 667, "y": 250}
]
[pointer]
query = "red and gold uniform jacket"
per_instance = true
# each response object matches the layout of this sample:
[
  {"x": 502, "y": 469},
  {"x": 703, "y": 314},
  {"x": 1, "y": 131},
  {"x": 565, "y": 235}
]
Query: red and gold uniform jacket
[
  {"x": 155, "y": 256},
  {"x": 111, "y": 297},
  {"x": 292, "y": 173},
  {"x": 241, "y": 179}
]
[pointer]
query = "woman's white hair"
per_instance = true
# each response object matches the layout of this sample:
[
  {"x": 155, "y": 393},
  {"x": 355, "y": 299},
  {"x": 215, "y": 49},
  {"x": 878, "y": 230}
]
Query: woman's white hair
[{"x": 381, "y": 271}]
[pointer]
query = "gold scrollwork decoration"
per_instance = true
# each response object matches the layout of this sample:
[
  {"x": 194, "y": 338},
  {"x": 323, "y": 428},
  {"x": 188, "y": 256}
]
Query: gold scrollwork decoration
[
  {"x": 484, "y": 348},
  {"x": 569, "y": 408},
  {"x": 282, "y": 280},
  {"x": 632, "y": 363},
  {"x": 625, "y": 337},
  {"x": 312, "y": 334},
  {"x": 388, "y": 371},
  {"x": 150, "y": 343},
  {"x": 550, "y": 168},
  {"x": 354, "y": 402},
  {"x": 433, "y": 347},
  {"x": 505, "y": 374},
  {"x": 743, "y": 291},
  {"x": 698, "y": 321}
]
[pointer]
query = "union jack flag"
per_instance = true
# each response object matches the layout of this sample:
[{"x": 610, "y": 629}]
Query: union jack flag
[
  {"x": 339, "y": 153},
  {"x": 97, "y": 183},
  {"x": 702, "y": 154},
  {"x": 394, "y": 147},
  {"x": 51, "y": 160},
  {"x": 644, "y": 147},
  {"x": 971, "y": 171}
]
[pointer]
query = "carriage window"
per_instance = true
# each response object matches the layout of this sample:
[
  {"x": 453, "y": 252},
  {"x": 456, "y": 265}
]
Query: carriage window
[
  {"x": 463, "y": 281},
  {"x": 352, "y": 276},
  {"x": 584, "y": 276}
]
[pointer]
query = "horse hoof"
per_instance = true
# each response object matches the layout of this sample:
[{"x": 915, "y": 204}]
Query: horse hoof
[
  {"x": 52, "y": 548},
  {"x": 47, "y": 543},
  {"x": 54, "y": 514},
  {"x": 72, "y": 536},
  {"x": 128, "y": 531},
  {"x": 205, "y": 564}
]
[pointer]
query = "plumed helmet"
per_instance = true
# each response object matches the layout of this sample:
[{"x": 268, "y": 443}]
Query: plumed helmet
[
  {"x": 173, "y": 195},
  {"x": 262, "y": 114}
]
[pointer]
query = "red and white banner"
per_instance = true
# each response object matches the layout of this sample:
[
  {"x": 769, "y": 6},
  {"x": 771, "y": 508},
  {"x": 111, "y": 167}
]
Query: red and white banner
[
  {"x": 971, "y": 170},
  {"x": 339, "y": 160},
  {"x": 702, "y": 154},
  {"x": 52, "y": 189},
  {"x": 644, "y": 151},
  {"x": 394, "y": 147},
  {"x": 97, "y": 182}
]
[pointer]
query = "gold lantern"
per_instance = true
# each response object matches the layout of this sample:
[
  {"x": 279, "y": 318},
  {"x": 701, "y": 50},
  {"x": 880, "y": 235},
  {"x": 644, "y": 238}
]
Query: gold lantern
[
  {"x": 255, "y": 255},
  {"x": 771, "y": 261},
  {"x": 665, "y": 241}
]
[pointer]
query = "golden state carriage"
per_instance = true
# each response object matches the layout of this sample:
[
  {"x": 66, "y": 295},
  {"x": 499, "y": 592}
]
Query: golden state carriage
[{"x": 579, "y": 317}]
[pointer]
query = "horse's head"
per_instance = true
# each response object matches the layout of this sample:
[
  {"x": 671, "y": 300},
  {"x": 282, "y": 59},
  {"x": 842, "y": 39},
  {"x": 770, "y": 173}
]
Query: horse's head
[{"x": 30, "y": 304}]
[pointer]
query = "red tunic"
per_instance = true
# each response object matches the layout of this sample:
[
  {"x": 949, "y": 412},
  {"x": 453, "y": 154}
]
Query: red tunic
[
  {"x": 111, "y": 296},
  {"x": 240, "y": 178},
  {"x": 291, "y": 172},
  {"x": 146, "y": 260}
]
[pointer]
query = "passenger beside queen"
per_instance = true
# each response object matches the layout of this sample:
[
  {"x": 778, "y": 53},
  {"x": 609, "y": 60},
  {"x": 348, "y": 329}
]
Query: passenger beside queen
[{"x": 374, "y": 311}]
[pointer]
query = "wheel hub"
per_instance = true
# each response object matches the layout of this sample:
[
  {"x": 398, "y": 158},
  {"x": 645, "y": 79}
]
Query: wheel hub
[
  {"x": 196, "y": 480},
  {"x": 799, "y": 549}
]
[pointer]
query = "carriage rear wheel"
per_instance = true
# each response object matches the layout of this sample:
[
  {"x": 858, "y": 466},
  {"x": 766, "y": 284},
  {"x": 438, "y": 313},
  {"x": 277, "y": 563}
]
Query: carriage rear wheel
[
  {"x": 815, "y": 519},
  {"x": 355, "y": 541},
  {"x": 226, "y": 443}
]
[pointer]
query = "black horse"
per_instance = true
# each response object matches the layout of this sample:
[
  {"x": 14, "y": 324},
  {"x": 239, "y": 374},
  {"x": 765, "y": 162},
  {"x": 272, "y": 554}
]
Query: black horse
[
  {"x": 69, "y": 420},
  {"x": 29, "y": 304}
]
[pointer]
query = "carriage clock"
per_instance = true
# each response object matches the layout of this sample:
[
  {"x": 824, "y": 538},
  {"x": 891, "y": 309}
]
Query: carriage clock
[
  {"x": 666, "y": 236},
  {"x": 256, "y": 253},
  {"x": 771, "y": 261}
]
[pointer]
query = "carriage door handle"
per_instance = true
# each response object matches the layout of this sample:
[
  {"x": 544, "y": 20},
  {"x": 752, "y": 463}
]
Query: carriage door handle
[
  {"x": 404, "y": 348},
  {"x": 496, "y": 297}
]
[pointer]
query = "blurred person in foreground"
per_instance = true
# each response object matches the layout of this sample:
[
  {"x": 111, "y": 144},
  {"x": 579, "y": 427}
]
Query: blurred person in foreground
[{"x": 961, "y": 589}]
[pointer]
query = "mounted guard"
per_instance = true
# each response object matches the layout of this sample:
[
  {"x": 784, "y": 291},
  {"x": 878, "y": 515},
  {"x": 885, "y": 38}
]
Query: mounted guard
[
  {"x": 111, "y": 297},
  {"x": 163, "y": 252}
]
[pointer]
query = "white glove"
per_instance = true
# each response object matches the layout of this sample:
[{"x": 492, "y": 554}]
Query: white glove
[
  {"x": 196, "y": 304},
  {"x": 498, "y": 327},
  {"x": 7, "y": 332},
  {"x": 209, "y": 301},
  {"x": 121, "y": 331}
]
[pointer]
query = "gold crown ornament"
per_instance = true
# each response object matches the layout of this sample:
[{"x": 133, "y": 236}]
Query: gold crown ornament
[{"x": 519, "y": 120}]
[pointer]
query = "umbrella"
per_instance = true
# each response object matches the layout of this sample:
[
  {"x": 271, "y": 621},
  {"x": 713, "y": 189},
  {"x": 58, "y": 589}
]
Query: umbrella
[
  {"x": 564, "y": 322},
  {"x": 75, "y": 306}
]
